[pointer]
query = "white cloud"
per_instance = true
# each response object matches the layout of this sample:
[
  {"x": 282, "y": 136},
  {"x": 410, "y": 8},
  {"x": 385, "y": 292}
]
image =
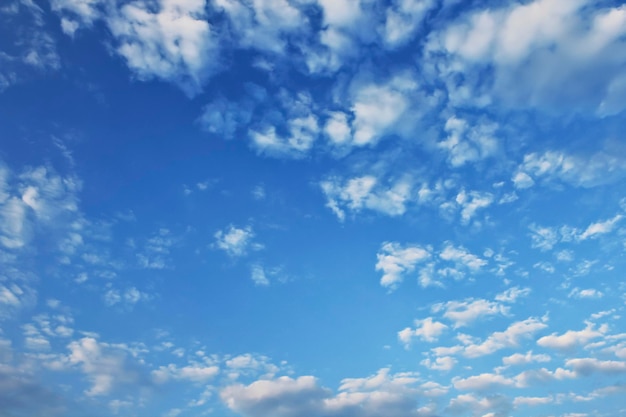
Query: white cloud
[
  {"x": 463, "y": 313},
  {"x": 572, "y": 338},
  {"x": 599, "y": 228},
  {"x": 584, "y": 170},
  {"x": 511, "y": 337},
  {"x": 396, "y": 260},
  {"x": 523, "y": 47},
  {"x": 263, "y": 25},
  {"x": 471, "y": 202},
  {"x": 235, "y": 241},
  {"x": 481, "y": 382},
  {"x": 427, "y": 330},
  {"x": 106, "y": 367},
  {"x": 463, "y": 257},
  {"x": 380, "y": 394},
  {"x": 588, "y": 366},
  {"x": 258, "y": 275},
  {"x": 366, "y": 192},
  {"x": 171, "y": 40},
  {"x": 441, "y": 363},
  {"x": 403, "y": 19},
  {"x": 512, "y": 294},
  {"x": 525, "y": 359},
  {"x": 532, "y": 401},
  {"x": 128, "y": 297},
  {"x": 586, "y": 293},
  {"x": 465, "y": 143},
  {"x": 543, "y": 238},
  {"x": 376, "y": 108},
  {"x": 197, "y": 373},
  {"x": 522, "y": 180}
]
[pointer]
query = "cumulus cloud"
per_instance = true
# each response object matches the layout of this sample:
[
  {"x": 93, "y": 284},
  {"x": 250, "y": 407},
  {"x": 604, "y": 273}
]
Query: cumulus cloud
[
  {"x": 107, "y": 367},
  {"x": 235, "y": 241},
  {"x": 465, "y": 143},
  {"x": 427, "y": 330},
  {"x": 395, "y": 260},
  {"x": 171, "y": 40},
  {"x": 367, "y": 192},
  {"x": 463, "y": 313},
  {"x": 383, "y": 393},
  {"x": 571, "y": 339},
  {"x": 516, "y": 43},
  {"x": 582, "y": 170},
  {"x": 511, "y": 337}
]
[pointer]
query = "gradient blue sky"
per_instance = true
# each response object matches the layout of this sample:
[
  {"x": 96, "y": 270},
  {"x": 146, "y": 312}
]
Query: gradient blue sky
[{"x": 312, "y": 208}]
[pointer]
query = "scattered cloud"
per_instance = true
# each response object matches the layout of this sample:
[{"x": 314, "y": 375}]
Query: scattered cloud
[{"x": 396, "y": 260}]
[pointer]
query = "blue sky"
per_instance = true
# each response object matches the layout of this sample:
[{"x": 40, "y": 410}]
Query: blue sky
[{"x": 298, "y": 208}]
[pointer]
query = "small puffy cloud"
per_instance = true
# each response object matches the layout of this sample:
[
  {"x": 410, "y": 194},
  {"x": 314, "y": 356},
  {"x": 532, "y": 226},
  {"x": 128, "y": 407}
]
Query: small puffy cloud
[
  {"x": 197, "y": 373},
  {"x": 128, "y": 297},
  {"x": 586, "y": 170},
  {"x": 367, "y": 192},
  {"x": 235, "y": 241},
  {"x": 465, "y": 143},
  {"x": 462, "y": 256},
  {"x": 532, "y": 401},
  {"x": 543, "y": 238},
  {"x": 107, "y": 367},
  {"x": 512, "y": 294},
  {"x": 171, "y": 40},
  {"x": 427, "y": 330},
  {"x": 522, "y": 180},
  {"x": 380, "y": 394},
  {"x": 471, "y": 202},
  {"x": 395, "y": 261},
  {"x": 585, "y": 293},
  {"x": 511, "y": 337},
  {"x": 481, "y": 382},
  {"x": 463, "y": 313},
  {"x": 525, "y": 358},
  {"x": 599, "y": 228},
  {"x": 588, "y": 366},
  {"x": 441, "y": 363},
  {"x": 261, "y": 25},
  {"x": 403, "y": 19},
  {"x": 571, "y": 339},
  {"x": 258, "y": 275}
]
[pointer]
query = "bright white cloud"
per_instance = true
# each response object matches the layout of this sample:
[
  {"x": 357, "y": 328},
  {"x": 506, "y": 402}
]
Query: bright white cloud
[
  {"x": 106, "y": 367},
  {"x": 522, "y": 45},
  {"x": 600, "y": 228},
  {"x": 465, "y": 143},
  {"x": 571, "y": 339},
  {"x": 525, "y": 358},
  {"x": 463, "y": 313},
  {"x": 511, "y": 337},
  {"x": 235, "y": 241},
  {"x": 395, "y": 261},
  {"x": 427, "y": 330},
  {"x": 382, "y": 393},
  {"x": 367, "y": 192}
]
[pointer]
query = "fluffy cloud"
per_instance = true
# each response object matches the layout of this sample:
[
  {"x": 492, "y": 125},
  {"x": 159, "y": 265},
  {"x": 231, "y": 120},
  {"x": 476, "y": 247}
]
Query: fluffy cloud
[
  {"x": 465, "y": 143},
  {"x": 516, "y": 43},
  {"x": 571, "y": 339},
  {"x": 235, "y": 241},
  {"x": 511, "y": 337},
  {"x": 367, "y": 192},
  {"x": 170, "y": 40},
  {"x": 583, "y": 170},
  {"x": 463, "y": 313},
  {"x": 106, "y": 367},
  {"x": 396, "y": 260},
  {"x": 427, "y": 329},
  {"x": 383, "y": 393}
]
